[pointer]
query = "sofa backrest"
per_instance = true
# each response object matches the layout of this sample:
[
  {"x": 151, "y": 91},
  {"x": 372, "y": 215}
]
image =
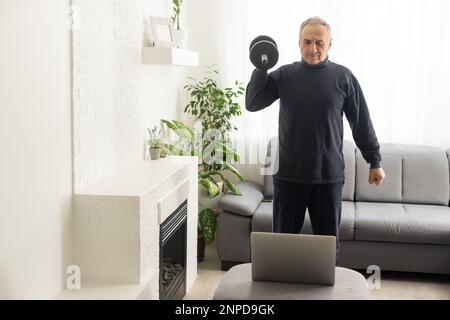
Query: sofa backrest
[
  {"x": 268, "y": 181},
  {"x": 349, "y": 158},
  {"x": 348, "y": 190},
  {"x": 414, "y": 174}
]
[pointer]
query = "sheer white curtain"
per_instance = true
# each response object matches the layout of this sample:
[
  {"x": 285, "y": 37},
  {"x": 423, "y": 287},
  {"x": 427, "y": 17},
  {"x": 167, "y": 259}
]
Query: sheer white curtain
[{"x": 399, "y": 50}]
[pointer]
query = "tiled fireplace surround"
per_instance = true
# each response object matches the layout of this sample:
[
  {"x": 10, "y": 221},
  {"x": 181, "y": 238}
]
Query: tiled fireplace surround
[{"x": 116, "y": 229}]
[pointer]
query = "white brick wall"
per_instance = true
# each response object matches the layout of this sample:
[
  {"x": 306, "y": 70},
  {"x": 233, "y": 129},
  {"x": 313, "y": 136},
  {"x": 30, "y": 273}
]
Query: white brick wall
[{"x": 115, "y": 97}]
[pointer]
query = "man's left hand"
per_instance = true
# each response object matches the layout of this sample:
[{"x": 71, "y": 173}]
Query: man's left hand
[{"x": 376, "y": 176}]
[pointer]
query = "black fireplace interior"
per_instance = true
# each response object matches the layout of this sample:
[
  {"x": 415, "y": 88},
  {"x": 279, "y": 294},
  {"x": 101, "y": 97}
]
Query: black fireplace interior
[{"x": 172, "y": 255}]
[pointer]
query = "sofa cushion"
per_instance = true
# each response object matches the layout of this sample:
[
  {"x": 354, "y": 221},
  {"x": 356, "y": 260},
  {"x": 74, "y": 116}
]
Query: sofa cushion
[
  {"x": 404, "y": 223},
  {"x": 391, "y": 188},
  {"x": 414, "y": 174},
  {"x": 262, "y": 220},
  {"x": 347, "y": 231},
  {"x": 245, "y": 204},
  {"x": 233, "y": 237},
  {"x": 348, "y": 151},
  {"x": 425, "y": 179}
]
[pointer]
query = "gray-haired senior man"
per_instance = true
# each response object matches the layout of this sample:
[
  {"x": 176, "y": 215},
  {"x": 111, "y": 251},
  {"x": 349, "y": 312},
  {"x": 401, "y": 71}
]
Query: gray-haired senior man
[{"x": 314, "y": 94}]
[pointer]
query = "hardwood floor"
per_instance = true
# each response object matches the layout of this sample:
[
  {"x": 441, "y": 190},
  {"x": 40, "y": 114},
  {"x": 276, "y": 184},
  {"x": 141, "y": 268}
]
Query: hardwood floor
[{"x": 394, "y": 285}]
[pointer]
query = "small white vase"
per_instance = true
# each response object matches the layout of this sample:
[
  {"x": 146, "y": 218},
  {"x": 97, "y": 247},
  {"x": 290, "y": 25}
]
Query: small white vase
[{"x": 181, "y": 38}]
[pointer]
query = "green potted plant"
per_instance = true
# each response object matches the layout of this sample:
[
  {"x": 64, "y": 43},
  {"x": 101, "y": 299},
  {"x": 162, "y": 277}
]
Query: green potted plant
[
  {"x": 154, "y": 142},
  {"x": 213, "y": 107},
  {"x": 210, "y": 180},
  {"x": 180, "y": 35}
]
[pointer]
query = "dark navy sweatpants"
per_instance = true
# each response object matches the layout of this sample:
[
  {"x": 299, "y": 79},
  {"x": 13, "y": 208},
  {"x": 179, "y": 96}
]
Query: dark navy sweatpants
[{"x": 324, "y": 203}]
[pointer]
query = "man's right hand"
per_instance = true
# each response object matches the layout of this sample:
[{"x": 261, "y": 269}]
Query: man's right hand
[{"x": 376, "y": 176}]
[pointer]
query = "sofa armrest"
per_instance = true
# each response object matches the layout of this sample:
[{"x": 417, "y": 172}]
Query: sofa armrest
[{"x": 247, "y": 203}]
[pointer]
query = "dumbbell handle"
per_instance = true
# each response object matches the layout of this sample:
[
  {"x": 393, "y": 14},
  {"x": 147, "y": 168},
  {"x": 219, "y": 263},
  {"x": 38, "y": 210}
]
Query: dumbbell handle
[{"x": 264, "y": 58}]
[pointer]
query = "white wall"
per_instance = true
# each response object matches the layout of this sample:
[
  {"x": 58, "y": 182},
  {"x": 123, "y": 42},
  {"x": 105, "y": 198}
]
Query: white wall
[
  {"x": 116, "y": 98},
  {"x": 35, "y": 140},
  {"x": 205, "y": 25}
]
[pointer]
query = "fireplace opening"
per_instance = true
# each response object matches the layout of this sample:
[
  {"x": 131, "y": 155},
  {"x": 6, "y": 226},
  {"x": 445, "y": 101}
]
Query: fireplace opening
[{"x": 172, "y": 255}]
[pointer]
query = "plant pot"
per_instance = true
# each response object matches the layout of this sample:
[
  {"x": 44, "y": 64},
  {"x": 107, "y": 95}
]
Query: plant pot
[
  {"x": 181, "y": 38},
  {"x": 200, "y": 246},
  {"x": 155, "y": 153}
]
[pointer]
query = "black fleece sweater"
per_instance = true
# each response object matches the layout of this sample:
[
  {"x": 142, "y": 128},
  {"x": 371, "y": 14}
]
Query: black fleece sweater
[{"x": 313, "y": 99}]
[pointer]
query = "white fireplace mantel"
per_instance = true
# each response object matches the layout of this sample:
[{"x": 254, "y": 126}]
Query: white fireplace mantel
[{"x": 116, "y": 229}]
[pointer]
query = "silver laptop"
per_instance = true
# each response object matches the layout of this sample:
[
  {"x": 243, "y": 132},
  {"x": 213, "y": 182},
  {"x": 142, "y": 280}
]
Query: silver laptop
[{"x": 295, "y": 258}]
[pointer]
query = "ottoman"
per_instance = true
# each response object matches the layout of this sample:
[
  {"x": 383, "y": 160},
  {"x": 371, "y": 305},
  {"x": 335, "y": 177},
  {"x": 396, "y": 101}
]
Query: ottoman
[{"x": 237, "y": 284}]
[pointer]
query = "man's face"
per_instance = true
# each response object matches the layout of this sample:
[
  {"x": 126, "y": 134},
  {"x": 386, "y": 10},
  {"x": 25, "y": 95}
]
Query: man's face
[{"x": 314, "y": 43}]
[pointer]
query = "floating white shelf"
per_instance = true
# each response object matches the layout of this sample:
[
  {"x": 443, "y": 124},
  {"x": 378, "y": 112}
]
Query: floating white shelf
[{"x": 172, "y": 56}]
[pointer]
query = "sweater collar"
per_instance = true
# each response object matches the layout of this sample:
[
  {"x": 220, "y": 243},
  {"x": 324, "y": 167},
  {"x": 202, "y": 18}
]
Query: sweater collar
[{"x": 323, "y": 64}]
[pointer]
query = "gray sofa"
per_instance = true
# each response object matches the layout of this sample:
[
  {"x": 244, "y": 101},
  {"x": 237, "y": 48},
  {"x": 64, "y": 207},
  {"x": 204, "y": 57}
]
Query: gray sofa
[{"x": 402, "y": 225}]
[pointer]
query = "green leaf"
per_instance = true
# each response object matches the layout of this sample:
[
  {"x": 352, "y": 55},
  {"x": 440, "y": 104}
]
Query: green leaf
[
  {"x": 187, "y": 131},
  {"x": 208, "y": 174},
  {"x": 169, "y": 124},
  {"x": 233, "y": 170},
  {"x": 180, "y": 129},
  {"x": 229, "y": 150},
  {"x": 210, "y": 186},
  {"x": 208, "y": 224},
  {"x": 174, "y": 150},
  {"x": 232, "y": 187}
]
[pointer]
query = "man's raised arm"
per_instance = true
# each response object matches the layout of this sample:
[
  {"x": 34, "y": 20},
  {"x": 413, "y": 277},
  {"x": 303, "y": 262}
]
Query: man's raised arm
[{"x": 261, "y": 90}]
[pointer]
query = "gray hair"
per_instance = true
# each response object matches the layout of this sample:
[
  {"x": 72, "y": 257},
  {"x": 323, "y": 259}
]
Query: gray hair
[{"x": 315, "y": 20}]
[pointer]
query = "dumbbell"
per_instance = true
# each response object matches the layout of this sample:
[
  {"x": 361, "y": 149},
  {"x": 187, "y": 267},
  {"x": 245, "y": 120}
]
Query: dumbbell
[{"x": 263, "y": 52}]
